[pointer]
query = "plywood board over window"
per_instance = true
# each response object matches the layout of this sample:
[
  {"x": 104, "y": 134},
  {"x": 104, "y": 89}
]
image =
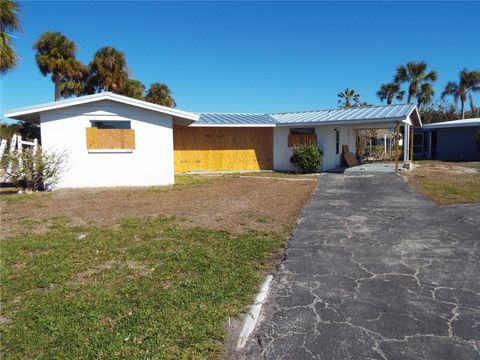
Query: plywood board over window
[
  {"x": 222, "y": 148},
  {"x": 301, "y": 139},
  {"x": 110, "y": 139}
]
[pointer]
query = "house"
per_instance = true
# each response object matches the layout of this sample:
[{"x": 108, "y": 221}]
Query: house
[
  {"x": 114, "y": 140},
  {"x": 449, "y": 140}
]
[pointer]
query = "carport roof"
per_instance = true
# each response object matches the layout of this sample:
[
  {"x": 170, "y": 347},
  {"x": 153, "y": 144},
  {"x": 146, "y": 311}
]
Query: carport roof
[{"x": 366, "y": 114}]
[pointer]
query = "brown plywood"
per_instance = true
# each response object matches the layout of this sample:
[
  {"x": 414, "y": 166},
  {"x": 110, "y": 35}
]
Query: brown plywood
[
  {"x": 301, "y": 139},
  {"x": 222, "y": 149},
  {"x": 110, "y": 139}
]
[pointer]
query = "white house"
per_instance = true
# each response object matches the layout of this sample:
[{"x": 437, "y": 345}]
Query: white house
[{"x": 114, "y": 140}]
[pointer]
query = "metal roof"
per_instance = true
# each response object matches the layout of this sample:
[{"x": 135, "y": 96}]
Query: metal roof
[
  {"x": 453, "y": 123},
  {"x": 367, "y": 113},
  {"x": 361, "y": 114},
  {"x": 235, "y": 119}
]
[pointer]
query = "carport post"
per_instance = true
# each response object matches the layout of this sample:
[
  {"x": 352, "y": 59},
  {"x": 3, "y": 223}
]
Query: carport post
[
  {"x": 411, "y": 142},
  {"x": 397, "y": 136}
]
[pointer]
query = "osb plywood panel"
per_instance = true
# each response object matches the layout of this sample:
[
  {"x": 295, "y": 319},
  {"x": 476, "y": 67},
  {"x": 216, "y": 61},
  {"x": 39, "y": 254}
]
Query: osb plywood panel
[
  {"x": 110, "y": 139},
  {"x": 222, "y": 149},
  {"x": 300, "y": 139}
]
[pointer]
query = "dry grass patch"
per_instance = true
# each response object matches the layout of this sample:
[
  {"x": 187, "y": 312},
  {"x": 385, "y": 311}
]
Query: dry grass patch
[
  {"x": 234, "y": 203},
  {"x": 447, "y": 182}
]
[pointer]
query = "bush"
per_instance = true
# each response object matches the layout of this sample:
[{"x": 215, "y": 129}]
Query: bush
[
  {"x": 32, "y": 170},
  {"x": 307, "y": 158}
]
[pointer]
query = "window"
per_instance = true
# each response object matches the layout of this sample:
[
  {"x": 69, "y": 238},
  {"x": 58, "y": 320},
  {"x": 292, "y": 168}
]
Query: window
[
  {"x": 337, "y": 141},
  {"x": 302, "y": 131},
  {"x": 111, "y": 124}
]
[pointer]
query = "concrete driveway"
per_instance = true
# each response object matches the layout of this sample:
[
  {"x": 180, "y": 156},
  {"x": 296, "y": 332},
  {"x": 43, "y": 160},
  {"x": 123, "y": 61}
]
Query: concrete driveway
[{"x": 375, "y": 271}]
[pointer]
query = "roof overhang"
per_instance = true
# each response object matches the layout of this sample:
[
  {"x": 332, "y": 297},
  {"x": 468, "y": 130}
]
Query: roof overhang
[
  {"x": 32, "y": 113},
  {"x": 453, "y": 124}
]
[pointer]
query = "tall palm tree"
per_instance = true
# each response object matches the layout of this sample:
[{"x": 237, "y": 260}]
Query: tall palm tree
[
  {"x": 8, "y": 23},
  {"x": 469, "y": 82},
  {"x": 390, "y": 91},
  {"x": 346, "y": 97},
  {"x": 473, "y": 84},
  {"x": 415, "y": 74},
  {"x": 133, "y": 88},
  {"x": 56, "y": 55},
  {"x": 160, "y": 94},
  {"x": 425, "y": 94},
  {"x": 108, "y": 69}
]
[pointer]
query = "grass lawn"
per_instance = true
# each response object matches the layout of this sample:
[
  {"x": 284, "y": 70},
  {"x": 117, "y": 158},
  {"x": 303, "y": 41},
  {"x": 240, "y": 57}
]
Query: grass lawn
[
  {"x": 447, "y": 182},
  {"x": 138, "y": 273}
]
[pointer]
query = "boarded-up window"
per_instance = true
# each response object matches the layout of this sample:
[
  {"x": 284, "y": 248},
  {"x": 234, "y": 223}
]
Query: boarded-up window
[
  {"x": 301, "y": 139},
  {"x": 222, "y": 149},
  {"x": 110, "y": 139}
]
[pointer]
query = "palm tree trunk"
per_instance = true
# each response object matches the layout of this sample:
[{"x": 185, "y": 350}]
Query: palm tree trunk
[
  {"x": 57, "y": 90},
  {"x": 389, "y": 100},
  {"x": 463, "y": 109},
  {"x": 472, "y": 105}
]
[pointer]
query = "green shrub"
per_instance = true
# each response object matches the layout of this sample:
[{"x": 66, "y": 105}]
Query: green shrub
[
  {"x": 307, "y": 158},
  {"x": 32, "y": 170}
]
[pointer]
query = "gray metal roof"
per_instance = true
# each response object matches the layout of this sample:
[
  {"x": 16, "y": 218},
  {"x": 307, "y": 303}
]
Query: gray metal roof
[
  {"x": 388, "y": 112},
  {"x": 235, "y": 119},
  {"x": 363, "y": 114}
]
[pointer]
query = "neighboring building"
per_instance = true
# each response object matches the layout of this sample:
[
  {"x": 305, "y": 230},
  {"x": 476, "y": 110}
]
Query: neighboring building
[
  {"x": 114, "y": 140},
  {"x": 449, "y": 140}
]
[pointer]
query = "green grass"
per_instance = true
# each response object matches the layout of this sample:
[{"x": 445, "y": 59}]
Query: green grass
[
  {"x": 452, "y": 193},
  {"x": 142, "y": 289}
]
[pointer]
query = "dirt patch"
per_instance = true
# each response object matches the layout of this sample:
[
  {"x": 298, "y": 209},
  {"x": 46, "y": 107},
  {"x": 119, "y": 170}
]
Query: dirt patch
[
  {"x": 447, "y": 183},
  {"x": 231, "y": 203}
]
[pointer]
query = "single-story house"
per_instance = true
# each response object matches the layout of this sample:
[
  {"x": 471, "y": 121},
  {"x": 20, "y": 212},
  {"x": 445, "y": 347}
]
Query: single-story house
[
  {"x": 114, "y": 140},
  {"x": 449, "y": 140}
]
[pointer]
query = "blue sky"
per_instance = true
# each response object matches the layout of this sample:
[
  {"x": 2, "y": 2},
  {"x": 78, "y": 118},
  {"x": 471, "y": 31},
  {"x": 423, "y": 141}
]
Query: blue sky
[{"x": 253, "y": 57}]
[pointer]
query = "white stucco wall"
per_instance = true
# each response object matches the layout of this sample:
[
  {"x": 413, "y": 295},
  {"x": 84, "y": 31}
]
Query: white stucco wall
[
  {"x": 325, "y": 140},
  {"x": 151, "y": 163}
]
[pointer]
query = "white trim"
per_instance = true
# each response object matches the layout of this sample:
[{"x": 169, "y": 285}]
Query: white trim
[
  {"x": 110, "y": 151},
  {"x": 99, "y": 97},
  {"x": 453, "y": 123}
]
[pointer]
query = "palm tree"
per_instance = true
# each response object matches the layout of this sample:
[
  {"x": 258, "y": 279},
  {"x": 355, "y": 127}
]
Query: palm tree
[
  {"x": 8, "y": 23},
  {"x": 346, "y": 97},
  {"x": 160, "y": 94},
  {"x": 108, "y": 70},
  {"x": 56, "y": 55},
  {"x": 425, "y": 94},
  {"x": 390, "y": 91},
  {"x": 473, "y": 84},
  {"x": 414, "y": 73},
  {"x": 469, "y": 82},
  {"x": 133, "y": 88}
]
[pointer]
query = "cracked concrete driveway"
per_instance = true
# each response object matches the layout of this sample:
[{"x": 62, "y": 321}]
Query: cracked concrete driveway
[{"x": 375, "y": 271}]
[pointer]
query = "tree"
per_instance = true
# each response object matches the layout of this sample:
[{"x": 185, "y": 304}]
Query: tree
[
  {"x": 469, "y": 82},
  {"x": 346, "y": 97},
  {"x": 133, "y": 88},
  {"x": 108, "y": 71},
  {"x": 160, "y": 94},
  {"x": 390, "y": 91},
  {"x": 425, "y": 95},
  {"x": 55, "y": 54},
  {"x": 8, "y": 23},
  {"x": 415, "y": 74},
  {"x": 438, "y": 112}
]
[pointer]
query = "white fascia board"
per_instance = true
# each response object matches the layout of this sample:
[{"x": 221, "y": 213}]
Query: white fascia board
[
  {"x": 231, "y": 125},
  {"x": 99, "y": 97},
  {"x": 452, "y": 124}
]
